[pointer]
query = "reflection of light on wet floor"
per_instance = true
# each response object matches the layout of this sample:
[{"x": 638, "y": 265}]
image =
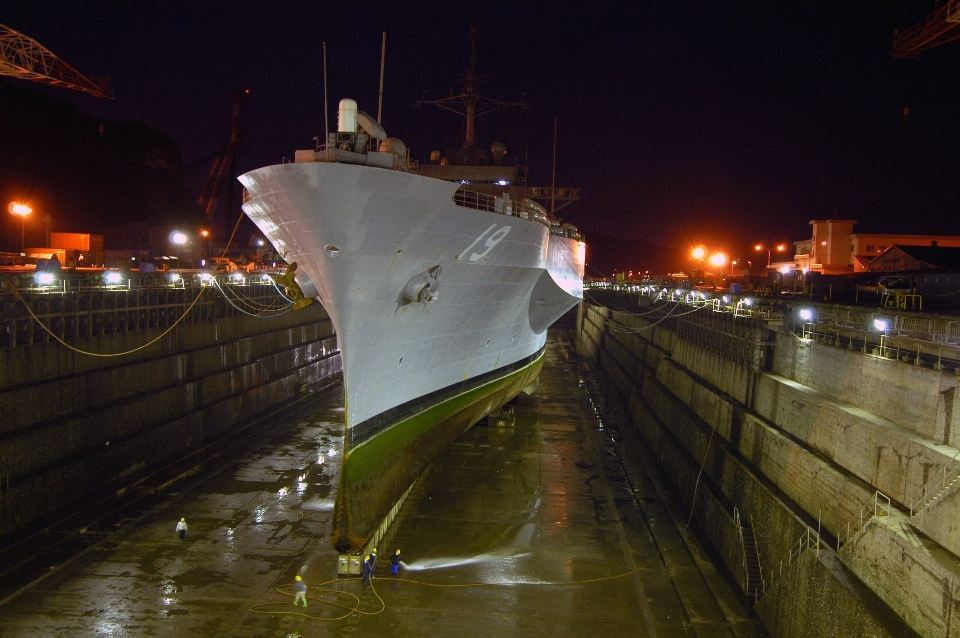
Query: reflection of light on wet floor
[
  {"x": 318, "y": 505},
  {"x": 443, "y": 563},
  {"x": 525, "y": 535},
  {"x": 259, "y": 512}
]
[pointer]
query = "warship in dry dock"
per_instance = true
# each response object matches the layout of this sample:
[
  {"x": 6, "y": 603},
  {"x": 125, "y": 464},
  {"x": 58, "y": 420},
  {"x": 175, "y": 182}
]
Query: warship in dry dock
[{"x": 440, "y": 279}]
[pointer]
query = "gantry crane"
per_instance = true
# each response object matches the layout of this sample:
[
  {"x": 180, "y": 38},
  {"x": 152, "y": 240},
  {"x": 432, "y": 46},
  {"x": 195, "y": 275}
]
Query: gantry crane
[
  {"x": 25, "y": 58},
  {"x": 220, "y": 169},
  {"x": 938, "y": 28}
]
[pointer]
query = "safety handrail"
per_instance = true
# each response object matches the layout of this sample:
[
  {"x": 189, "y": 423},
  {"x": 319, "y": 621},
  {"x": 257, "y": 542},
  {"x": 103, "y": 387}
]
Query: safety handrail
[
  {"x": 878, "y": 505},
  {"x": 743, "y": 555},
  {"x": 809, "y": 540},
  {"x": 935, "y": 486},
  {"x": 743, "y": 550}
]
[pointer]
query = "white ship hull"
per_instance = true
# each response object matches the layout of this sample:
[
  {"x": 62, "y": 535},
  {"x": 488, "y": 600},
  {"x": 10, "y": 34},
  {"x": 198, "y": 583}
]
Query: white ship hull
[{"x": 363, "y": 236}]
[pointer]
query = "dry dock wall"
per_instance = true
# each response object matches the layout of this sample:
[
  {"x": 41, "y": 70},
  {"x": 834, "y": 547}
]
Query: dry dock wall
[
  {"x": 73, "y": 424},
  {"x": 792, "y": 433}
]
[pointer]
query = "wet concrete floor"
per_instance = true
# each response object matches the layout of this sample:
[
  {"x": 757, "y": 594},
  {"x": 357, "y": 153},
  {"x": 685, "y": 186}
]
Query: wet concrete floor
[{"x": 549, "y": 528}]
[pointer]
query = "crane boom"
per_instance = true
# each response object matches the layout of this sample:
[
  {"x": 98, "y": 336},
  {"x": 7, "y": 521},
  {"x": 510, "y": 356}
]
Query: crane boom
[
  {"x": 934, "y": 30},
  {"x": 25, "y": 58},
  {"x": 210, "y": 197}
]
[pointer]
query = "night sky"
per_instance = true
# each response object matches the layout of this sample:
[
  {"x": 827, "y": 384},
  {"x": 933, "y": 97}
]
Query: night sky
[{"x": 714, "y": 123}]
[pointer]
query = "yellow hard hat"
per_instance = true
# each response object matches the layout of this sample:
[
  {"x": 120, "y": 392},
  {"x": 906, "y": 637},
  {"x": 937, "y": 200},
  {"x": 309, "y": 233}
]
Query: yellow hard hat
[
  {"x": 373, "y": 551},
  {"x": 298, "y": 578},
  {"x": 183, "y": 520},
  {"x": 398, "y": 551}
]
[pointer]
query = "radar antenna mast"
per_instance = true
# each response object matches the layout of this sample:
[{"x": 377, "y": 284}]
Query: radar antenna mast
[
  {"x": 23, "y": 57},
  {"x": 470, "y": 104}
]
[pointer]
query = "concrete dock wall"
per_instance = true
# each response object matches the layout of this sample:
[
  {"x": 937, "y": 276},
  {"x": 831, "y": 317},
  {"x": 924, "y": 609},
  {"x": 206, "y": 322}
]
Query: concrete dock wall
[
  {"x": 919, "y": 579},
  {"x": 72, "y": 424},
  {"x": 788, "y": 454},
  {"x": 915, "y": 398}
]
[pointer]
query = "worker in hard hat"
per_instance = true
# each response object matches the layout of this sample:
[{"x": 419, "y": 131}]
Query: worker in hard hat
[
  {"x": 373, "y": 562},
  {"x": 366, "y": 570},
  {"x": 182, "y": 528},
  {"x": 395, "y": 563},
  {"x": 301, "y": 588}
]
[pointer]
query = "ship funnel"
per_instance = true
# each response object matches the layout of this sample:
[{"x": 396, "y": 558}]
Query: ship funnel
[
  {"x": 434, "y": 157},
  {"x": 347, "y": 121}
]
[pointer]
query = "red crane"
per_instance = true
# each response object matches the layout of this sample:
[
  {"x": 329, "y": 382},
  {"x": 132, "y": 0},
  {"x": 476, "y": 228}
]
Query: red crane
[
  {"x": 220, "y": 170},
  {"x": 938, "y": 28},
  {"x": 25, "y": 58}
]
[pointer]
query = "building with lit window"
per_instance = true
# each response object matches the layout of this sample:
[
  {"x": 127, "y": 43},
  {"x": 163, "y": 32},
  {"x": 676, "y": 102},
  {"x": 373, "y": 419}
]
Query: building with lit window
[{"x": 834, "y": 249}]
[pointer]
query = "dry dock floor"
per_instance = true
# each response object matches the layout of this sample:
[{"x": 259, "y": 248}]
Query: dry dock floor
[{"x": 552, "y": 527}]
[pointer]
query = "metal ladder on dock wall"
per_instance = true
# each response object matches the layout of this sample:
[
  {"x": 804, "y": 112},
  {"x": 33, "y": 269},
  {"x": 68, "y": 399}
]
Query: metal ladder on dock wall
[
  {"x": 936, "y": 486},
  {"x": 749, "y": 557}
]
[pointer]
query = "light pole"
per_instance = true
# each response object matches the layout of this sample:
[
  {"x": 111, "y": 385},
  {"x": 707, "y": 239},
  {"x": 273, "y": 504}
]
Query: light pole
[
  {"x": 718, "y": 260},
  {"x": 23, "y": 210},
  {"x": 760, "y": 247}
]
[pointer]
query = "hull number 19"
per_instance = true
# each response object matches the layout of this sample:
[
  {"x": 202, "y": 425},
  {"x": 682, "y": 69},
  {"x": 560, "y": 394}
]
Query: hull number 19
[{"x": 490, "y": 243}]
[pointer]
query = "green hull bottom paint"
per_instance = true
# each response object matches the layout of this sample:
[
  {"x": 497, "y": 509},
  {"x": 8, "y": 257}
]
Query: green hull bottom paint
[{"x": 376, "y": 474}]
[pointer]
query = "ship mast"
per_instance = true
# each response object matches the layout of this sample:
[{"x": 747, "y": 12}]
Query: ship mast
[
  {"x": 470, "y": 104},
  {"x": 470, "y": 96}
]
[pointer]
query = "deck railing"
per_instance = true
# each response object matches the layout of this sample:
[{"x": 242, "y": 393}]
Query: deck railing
[{"x": 524, "y": 209}]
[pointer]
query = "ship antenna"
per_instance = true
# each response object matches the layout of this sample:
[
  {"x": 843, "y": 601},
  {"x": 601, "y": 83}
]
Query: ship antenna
[
  {"x": 553, "y": 180},
  {"x": 383, "y": 61},
  {"x": 326, "y": 101},
  {"x": 467, "y": 103},
  {"x": 470, "y": 96}
]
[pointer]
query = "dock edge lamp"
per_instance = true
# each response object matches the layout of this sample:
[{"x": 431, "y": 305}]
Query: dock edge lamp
[
  {"x": 179, "y": 239},
  {"x": 807, "y": 315},
  {"x": 881, "y": 325}
]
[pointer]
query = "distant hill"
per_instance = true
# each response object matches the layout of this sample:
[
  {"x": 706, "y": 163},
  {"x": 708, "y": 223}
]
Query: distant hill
[
  {"x": 88, "y": 174},
  {"x": 607, "y": 255}
]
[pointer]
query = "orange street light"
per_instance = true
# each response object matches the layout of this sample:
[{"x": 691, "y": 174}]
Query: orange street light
[
  {"x": 699, "y": 252},
  {"x": 780, "y": 248},
  {"x": 19, "y": 208},
  {"x": 718, "y": 261}
]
